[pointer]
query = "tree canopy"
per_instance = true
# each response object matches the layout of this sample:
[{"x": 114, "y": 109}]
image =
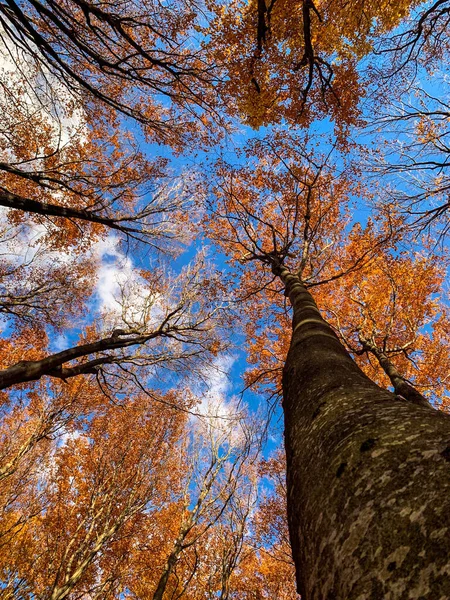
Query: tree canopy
[{"x": 224, "y": 225}]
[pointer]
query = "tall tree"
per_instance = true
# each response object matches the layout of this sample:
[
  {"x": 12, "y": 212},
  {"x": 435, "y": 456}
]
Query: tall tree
[
  {"x": 105, "y": 475},
  {"x": 267, "y": 569},
  {"x": 363, "y": 515},
  {"x": 216, "y": 470}
]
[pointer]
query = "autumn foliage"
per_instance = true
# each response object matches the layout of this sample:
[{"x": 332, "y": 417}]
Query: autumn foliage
[{"x": 166, "y": 171}]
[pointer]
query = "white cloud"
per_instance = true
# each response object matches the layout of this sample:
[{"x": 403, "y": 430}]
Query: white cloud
[
  {"x": 221, "y": 413},
  {"x": 218, "y": 382},
  {"x": 124, "y": 297},
  {"x": 114, "y": 271}
]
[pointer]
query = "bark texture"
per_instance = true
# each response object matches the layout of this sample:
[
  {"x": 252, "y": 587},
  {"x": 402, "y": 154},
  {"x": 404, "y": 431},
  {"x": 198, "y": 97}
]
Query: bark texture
[
  {"x": 368, "y": 475},
  {"x": 168, "y": 568}
]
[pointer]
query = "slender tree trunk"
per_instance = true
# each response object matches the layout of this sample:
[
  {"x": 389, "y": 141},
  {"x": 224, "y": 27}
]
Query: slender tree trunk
[
  {"x": 169, "y": 566},
  {"x": 368, "y": 474}
]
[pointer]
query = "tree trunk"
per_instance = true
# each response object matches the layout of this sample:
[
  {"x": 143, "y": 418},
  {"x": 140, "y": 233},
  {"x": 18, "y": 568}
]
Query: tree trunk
[
  {"x": 168, "y": 568},
  {"x": 368, "y": 474}
]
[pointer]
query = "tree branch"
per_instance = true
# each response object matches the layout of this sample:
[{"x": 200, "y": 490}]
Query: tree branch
[{"x": 52, "y": 366}]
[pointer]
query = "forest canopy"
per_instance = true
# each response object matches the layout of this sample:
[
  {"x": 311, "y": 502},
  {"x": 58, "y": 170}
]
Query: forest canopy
[{"x": 224, "y": 313}]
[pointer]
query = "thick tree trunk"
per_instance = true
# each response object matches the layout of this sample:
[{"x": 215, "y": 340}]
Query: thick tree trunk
[{"x": 368, "y": 475}]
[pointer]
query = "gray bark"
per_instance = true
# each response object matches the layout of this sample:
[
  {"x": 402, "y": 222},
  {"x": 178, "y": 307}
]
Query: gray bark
[{"x": 368, "y": 474}]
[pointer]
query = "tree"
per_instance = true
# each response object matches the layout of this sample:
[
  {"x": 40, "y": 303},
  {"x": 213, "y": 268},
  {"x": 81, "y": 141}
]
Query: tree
[
  {"x": 359, "y": 493},
  {"x": 267, "y": 569},
  {"x": 101, "y": 481},
  {"x": 65, "y": 160},
  {"x": 71, "y": 178},
  {"x": 289, "y": 60},
  {"x": 182, "y": 325},
  {"x": 216, "y": 463}
]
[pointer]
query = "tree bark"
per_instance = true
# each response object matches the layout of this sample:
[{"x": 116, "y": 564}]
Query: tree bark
[{"x": 368, "y": 474}]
